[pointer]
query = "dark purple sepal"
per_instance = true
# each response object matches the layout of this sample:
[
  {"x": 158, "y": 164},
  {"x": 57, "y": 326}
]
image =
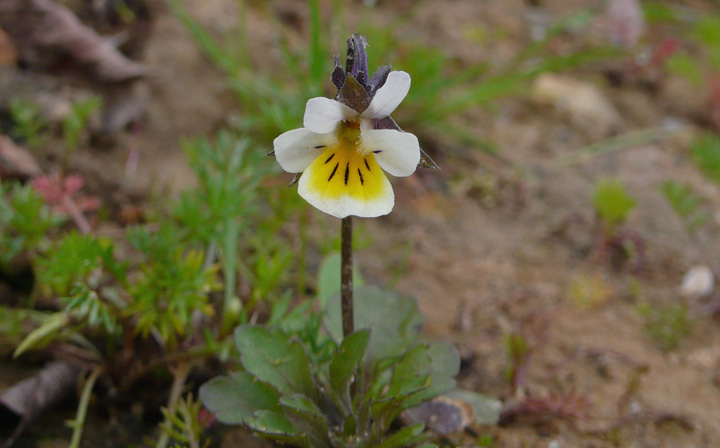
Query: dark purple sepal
[
  {"x": 425, "y": 161},
  {"x": 338, "y": 75},
  {"x": 356, "y": 63},
  {"x": 378, "y": 79},
  {"x": 353, "y": 95}
]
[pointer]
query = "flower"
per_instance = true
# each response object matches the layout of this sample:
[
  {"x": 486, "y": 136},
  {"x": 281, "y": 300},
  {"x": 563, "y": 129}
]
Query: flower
[{"x": 347, "y": 142}]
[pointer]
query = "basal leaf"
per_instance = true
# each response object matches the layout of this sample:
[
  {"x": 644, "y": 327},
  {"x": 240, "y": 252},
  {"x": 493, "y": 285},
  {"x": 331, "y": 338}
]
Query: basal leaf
[
  {"x": 443, "y": 367},
  {"x": 307, "y": 417},
  {"x": 235, "y": 398},
  {"x": 328, "y": 282},
  {"x": 345, "y": 361},
  {"x": 272, "y": 356},
  {"x": 395, "y": 320},
  {"x": 407, "y": 436},
  {"x": 411, "y": 373},
  {"x": 275, "y": 426}
]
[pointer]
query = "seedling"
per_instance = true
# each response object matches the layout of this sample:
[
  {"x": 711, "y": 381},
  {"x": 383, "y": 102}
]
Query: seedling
[{"x": 612, "y": 206}]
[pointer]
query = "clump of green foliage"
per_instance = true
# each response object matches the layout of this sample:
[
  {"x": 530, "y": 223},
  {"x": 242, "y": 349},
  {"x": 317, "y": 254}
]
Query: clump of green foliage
[
  {"x": 28, "y": 122},
  {"x": 612, "y": 203},
  {"x": 166, "y": 287},
  {"x": 25, "y": 222},
  {"x": 706, "y": 153},
  {"x": 666, "y": 325},
  {"x": 349, "y": 398}
]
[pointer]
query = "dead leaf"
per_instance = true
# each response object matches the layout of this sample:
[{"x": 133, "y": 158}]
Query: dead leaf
[
  {"x": 8, "y": 55},
  {"x": 30, "y": 398},
  {"x": 16, "y": 162},
  {"x": 46, "y": 32}
]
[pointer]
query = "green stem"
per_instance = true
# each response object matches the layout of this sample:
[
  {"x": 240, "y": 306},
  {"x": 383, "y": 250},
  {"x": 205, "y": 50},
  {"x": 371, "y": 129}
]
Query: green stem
[
  {"x": 79, "y": 422},
  {"x": 346, "y": 280},
  {"x": 180, "y": 374},
  {"x": 232, "y": 305}
]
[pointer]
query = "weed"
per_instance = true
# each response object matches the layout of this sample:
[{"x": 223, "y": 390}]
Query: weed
[
  {"x": 666, "y": 325},
  {"x": 686, "y": 203},
  {"x": 706, "y": 153},
  {"x": 612, "y": 204},
  {"x": 28, "y": 122},
  {"x": 589, "y": 291},
  {"x": 25, "y": 222},
  {"x": 75, "y": 124}
]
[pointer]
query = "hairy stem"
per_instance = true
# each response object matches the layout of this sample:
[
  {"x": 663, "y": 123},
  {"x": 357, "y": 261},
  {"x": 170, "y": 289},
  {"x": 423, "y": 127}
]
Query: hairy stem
[
  {"x": 79, "y": 422},
  {"x": 346, "y": 285}
]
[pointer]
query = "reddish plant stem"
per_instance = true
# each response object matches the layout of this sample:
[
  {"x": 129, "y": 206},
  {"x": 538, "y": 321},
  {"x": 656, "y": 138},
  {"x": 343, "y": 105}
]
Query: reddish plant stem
[{"x": 76, "y": 215}]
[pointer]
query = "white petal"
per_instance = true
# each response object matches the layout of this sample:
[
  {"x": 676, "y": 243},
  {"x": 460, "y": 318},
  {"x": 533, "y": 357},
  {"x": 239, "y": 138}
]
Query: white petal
[
  {"x": 396, "y": 152},
  {"x": 389, "y": 96},
  {"x": 322, "y": 115},
  {"x": 295, "y": 150}
]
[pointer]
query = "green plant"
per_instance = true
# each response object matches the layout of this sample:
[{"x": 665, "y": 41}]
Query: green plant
[
  {"x": 186, "y": 422},
  {"x": 172, "y": 285},
  {"x": 74, "y": 125},
  {"x": 77, "y": 259},
  {"x": 665, "y": 325},
  {"x": 76, "y": 121},
  {"x": 686, "y": 203},
  {"x": 612, "y": 203},
  {"x": 348, "y": 400},
  {"x": 215, "y": 213},
  {"x": 25, "y": 221},
  {"x": 705, "y": 151},
  {"x": 28, "y": 121}
]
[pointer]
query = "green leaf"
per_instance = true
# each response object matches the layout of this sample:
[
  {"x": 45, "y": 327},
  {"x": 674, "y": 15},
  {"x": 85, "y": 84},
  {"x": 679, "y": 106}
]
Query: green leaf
[
  {"x": 395, "y": 320},
  {"x": 439, "y": 361},
  {"x": 405, "y": 437},
  {"x": 329, "y": 278},
  {"x": 345, "y": 361},
  {"x": 277, "y": 427},
  {"x": 235, "y": 398},
  {"x": 411, "y": 373},
  {"x": 272, "y": 356},
  {"x": 44, "y": 333},
  {"x": 487, "y": 409},
  {"x": 686, "y": 66},
  {"x": 304, "y": 414},
  {"x": 706, "y": 153}
]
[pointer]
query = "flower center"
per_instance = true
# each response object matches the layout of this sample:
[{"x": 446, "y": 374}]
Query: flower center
[{"x": 348, "y": 135}]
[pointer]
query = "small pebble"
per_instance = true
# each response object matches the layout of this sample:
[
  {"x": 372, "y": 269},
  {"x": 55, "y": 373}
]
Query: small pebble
[{"x": 698, "y": 282}]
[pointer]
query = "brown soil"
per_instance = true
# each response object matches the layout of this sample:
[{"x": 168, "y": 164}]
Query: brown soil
[{"x": 492, "y": 244}]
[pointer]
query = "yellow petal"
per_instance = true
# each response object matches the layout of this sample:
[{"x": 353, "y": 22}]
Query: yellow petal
[{"x": 343, "y": 182}]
